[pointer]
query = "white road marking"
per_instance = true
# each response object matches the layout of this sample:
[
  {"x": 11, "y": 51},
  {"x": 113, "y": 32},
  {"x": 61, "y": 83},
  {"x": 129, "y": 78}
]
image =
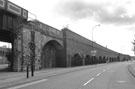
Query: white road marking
[
  {"x": 88, "y": 82},
  {"x": 98, "y": 74},
  {"x": 104, "y": 70},
  {"x": 28, "y": 84},
  {"x": 121, "y": 81}
]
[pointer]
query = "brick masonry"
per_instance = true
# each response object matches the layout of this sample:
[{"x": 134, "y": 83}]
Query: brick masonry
[{"x": 70, "y": 42}]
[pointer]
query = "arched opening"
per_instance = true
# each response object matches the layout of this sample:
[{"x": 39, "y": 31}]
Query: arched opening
[
  {"x": 104, "y": 59},
  {"x": 94, "y": 60},
  {"x": 87, "y": 60},
  {"x": 76, "y": 60},
  {"x": 52, "y": 55},
  {"x": 107, "y": 60},
  {"x": 110, "y": 59},
  {"x": 6, "y": 50},
  {"x": 100, "y": 59}
]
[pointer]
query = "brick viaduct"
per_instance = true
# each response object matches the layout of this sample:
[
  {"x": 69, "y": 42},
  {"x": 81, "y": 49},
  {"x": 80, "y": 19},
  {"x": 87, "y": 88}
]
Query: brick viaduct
[
  {"x": 55, "y": 48},
  {"x": 40, "y": 45}
]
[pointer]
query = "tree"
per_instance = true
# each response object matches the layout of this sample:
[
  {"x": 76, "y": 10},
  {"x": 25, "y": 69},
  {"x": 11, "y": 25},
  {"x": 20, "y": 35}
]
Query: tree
[
  {"x": 9, "y": 57},
  {"x": 133, "y": 46}
]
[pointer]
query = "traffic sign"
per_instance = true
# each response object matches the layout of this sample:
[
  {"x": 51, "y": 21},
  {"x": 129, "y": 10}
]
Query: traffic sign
[{"x": 93, "y": 52}]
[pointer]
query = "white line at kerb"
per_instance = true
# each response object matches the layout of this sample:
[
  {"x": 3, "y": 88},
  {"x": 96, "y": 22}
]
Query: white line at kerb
[
  {"x": 98, "y": 74},
  {"x": 28, "y": 84},
  {"x": 88, "y": 82}
]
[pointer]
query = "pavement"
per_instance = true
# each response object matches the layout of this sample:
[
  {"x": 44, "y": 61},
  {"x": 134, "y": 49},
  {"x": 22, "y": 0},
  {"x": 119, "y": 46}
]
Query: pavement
[
  {"x": 131, "y": 68},
  {"x": 9, "y": 79}
]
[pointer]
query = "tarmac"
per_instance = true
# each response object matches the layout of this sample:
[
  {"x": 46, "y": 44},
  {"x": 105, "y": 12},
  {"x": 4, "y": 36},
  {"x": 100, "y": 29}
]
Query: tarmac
[{"x": 9, "y": 79}]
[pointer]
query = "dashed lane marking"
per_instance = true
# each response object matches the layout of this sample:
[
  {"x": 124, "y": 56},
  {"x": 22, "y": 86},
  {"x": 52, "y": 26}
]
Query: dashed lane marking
[
  {"x": 98, "y": 74},
  {"x": 28, "y": 84},
  {"x": 121, "y": 81},
  {"x": 88, "y": 82},
  {"x": 104, "y": 70}
]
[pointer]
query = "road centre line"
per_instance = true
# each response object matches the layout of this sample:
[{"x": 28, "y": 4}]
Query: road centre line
[
  {"x": 104, "y": 70},
  {"x": 98, "y": 74},
  {"x": 88, "y": 82},
  {"x": 121, "y": 81},
  {"x": 28, "y": 84}
]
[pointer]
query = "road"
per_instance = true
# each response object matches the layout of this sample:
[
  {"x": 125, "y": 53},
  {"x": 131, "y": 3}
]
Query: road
[{"x": 111, "y": 76}]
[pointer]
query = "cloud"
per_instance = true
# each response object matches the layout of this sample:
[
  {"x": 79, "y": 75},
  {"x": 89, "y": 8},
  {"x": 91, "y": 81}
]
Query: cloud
[
  {"x": 106, "y": 13},
  {"x": 130, "y": 28}
]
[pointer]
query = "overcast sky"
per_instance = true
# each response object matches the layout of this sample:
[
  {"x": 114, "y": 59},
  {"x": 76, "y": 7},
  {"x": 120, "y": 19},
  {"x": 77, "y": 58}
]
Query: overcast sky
[{"x": 116, "y": 17}]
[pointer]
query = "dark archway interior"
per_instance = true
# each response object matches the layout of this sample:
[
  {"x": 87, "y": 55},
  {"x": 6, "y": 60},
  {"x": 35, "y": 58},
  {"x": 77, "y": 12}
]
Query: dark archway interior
[
  {"x": 7, "y": 24},
  {"x": 76, "y": 60},
  {"x": 87, "y": 60},
  {"x": 52, "y": 55},
  {"x": 5, "y": 36},
  {"x": 7, "y": 59},
  {"x": 100, "y": 59}
]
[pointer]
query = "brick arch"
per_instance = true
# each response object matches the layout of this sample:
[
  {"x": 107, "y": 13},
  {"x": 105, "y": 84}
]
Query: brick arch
[
  {"x": 104, "y": 59},
  {"x": 52, "y": 54},
  {"x": 49, "y": 39},
  {"x": 100, "y": 59},
  {"x": 87, "y": 59},
  {"x": 76, "y": 60}
]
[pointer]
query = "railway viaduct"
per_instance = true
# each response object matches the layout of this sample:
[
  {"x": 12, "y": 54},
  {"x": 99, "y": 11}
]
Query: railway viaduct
[{"x": 42, "y": 46}]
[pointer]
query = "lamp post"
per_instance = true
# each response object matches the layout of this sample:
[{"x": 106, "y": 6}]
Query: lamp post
[
  {"x": 93, "y": 52},
  {"x": 92, "y": 34}
]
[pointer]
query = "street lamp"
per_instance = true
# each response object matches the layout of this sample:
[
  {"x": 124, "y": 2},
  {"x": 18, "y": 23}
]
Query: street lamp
[
  {"x": 93, "y": 52},
  {"x": 92, "y": 34}
]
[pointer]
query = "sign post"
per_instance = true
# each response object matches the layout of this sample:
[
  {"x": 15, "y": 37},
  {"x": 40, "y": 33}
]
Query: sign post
[{"x": 93, "y": 53}]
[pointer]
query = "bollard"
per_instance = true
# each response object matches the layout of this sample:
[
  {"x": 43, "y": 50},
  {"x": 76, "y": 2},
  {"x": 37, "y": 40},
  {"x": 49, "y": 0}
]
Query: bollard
[{"x": 27, "y": 71}]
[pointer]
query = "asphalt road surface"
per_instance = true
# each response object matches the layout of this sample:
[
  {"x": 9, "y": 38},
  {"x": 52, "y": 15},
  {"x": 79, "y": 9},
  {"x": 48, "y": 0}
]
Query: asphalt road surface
[{"x": 111, "y": 76}]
